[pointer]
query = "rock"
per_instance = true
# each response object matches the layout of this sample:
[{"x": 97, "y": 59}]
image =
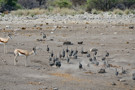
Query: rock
[
  {"x": 113, "y": 83},
  {"x": 7, "y": 26},
  {"x": 115, "y": 33},
  {"x": 101, "y": 33},
  {"x": 52, "y": 32},
  {"x": 102, "y": 71},
  {"x": 102, "y": 44},
  {"x": 55, "y": 88},
  {"x": 122, "y": 80}
]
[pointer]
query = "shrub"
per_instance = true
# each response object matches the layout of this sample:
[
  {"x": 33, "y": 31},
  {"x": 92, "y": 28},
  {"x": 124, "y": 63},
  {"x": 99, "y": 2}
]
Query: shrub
[
  {"x": 127, "y": 11},
  {"x": 63, "y": 3},
  {"x": 106, "y": 5},
  {"x": 9, "y": 5},
  {"x": 65, "y": 11},
  {"x": 50, "y": 8},
  {"x": 133, "y": 11},
  {"x": 97, "y": 4},
  {"x": 1, "y": 2},
  {"x": 118, "y": 11}
]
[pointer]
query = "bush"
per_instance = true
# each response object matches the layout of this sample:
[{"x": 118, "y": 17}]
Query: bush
[
  {"x": 8, "y": 5},
  {"x": 106, "y": 5},
  {"x": 127, "y": 11},
  {"x": 133, "y": 11},
  {"x": 66, "y": 11},
  {"x": 63, "y": 3},
  {"x": 50, "y": 8},
  {"x": 118, "y": 11},
  {"x": 95, "y": 4},
  {"x": 1, "y": 2}
]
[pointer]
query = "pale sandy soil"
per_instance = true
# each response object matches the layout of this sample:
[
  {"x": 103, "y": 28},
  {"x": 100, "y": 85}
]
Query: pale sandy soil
[{"x": 117, "y": 39}]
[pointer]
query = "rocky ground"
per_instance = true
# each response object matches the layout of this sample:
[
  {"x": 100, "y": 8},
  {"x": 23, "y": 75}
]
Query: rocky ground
[{"x": 112, "y": 33}]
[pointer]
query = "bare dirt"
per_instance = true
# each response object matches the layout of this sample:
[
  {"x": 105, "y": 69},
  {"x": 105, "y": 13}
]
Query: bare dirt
[{"x": 118, "y": 40}]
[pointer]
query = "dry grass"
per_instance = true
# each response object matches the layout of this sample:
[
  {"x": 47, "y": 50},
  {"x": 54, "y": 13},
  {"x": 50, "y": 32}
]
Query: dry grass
[
  {"x": 127, "y": 11},
  {"x": 37, "y": 11},
  {"x": 118, "y": 11},
  {"x": 121, "y": 12},
  {"x": 66, "y": 11},
  {"x": 27, "y": 12},
  {"x": 94, "y": 11}
]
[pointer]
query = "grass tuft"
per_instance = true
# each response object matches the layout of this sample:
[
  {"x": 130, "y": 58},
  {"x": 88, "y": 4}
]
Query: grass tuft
[
  {"x": 94, "y": 11},
  {"x": 118, "y": 11}
]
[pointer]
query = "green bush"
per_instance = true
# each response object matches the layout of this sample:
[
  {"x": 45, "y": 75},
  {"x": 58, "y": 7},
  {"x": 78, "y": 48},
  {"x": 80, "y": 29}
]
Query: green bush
[
  {"x": 63, "y": 3},
  {"x": 1, "y": 2},
  {"x": 9, "y": 5},
  {"x": 106, "y": 5},
  {"x": 50, "y": 8},
  {"x": 95, "y": 4}
]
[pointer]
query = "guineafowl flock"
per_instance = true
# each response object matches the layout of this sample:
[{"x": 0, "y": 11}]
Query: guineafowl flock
[{"x": 68, "y": 55}]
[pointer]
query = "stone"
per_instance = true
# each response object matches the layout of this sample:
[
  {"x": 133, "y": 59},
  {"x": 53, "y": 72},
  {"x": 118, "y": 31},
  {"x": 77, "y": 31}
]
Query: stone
[
  {"x": 122, "y": 80},
  {"x": 113, "y": 83},
  {"x": 102, "y": 71},
  {"x": 55, "y": 88}
]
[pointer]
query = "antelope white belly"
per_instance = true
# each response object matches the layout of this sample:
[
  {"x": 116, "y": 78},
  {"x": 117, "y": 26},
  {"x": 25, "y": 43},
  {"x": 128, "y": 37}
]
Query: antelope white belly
[
  {"x": 1, "y": 43},
  {"x": 21, "y": 54}
]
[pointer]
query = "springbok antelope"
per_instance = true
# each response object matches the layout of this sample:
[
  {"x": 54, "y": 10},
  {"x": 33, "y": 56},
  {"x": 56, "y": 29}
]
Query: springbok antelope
[
  {"x": 4, "y": 41},
  {"x": 20, "y": 52}
]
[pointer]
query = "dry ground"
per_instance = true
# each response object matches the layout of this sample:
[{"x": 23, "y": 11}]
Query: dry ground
[{"x": 118, "y": 40}]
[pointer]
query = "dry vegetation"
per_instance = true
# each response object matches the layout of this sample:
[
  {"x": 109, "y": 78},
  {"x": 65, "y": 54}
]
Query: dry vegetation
[
  {"x": 37, "y": 11},
  {"x": 65, "y": 11}
]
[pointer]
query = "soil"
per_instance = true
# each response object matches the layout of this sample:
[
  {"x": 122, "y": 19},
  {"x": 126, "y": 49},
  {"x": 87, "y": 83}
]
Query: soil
[{"x": 117, "y": 39}]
